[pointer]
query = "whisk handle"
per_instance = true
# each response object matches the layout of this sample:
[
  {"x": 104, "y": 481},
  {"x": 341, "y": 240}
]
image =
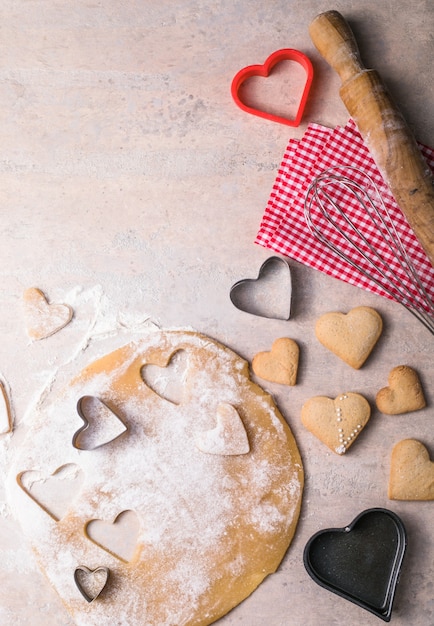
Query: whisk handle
[{"x": 336, "y": 43}]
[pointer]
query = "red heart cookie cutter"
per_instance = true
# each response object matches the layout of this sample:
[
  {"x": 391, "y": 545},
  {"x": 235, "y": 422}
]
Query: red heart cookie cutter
[{"x": 287, "y": 54}]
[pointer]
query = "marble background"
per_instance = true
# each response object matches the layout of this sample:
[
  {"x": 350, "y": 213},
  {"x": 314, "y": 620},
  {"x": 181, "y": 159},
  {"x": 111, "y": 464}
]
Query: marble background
[{"x": 132, "y": 187}]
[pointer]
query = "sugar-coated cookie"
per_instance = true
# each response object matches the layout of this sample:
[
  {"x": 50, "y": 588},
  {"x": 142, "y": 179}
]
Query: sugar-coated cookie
[
  {"x": 350, "y": 336},
  {"x": 411, "y": 472},
  {"x": 404, "y": 393},
  {"x": 338, "y": 422},
  {"x": 280, "y": 365}
]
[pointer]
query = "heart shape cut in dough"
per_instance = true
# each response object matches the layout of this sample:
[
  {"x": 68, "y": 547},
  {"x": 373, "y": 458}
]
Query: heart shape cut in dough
[
  {"x": 268, "y": 295},
  {"x": 5, "y": 411},
  {"x": 350, "y": 336},
  {"x": 54, "y": 493},
  {"x": 167, "y": 379},
  {"x": 229, "y": 437},
  {"x": 338, "y": 422},
  {"x": 280, "y": 365},
  {"x": 411, "y": 472},
  {"x": 118, "y": 538},
  {"x": 91, "y": 583},
  {"x": 42, "y": 318},
  {"x": 362, "y": 561},
  {"x": 101, "y": 424},
  {"x": 404, "y": 393},
  {"x": 264, "y": 71}
]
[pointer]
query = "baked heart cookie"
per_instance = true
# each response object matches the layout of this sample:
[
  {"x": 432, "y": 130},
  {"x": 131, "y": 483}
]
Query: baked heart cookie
[
  {"x": 338, "y": 422},
  {"x": 404, "y": 393},
  {"x": 280, "y": 365},
  {"x": 411, "y": 472},
  {"x": 43, "y": 319},
  {"x": 180, "y": 518},
  {"x": 350, "y": 336}
]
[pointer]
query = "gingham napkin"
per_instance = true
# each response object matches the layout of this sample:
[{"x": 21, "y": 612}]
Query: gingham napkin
[{"x": 284, "y": 228}]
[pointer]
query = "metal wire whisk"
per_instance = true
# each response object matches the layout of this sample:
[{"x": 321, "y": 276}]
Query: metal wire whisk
[{"x": 345, "y": 211}]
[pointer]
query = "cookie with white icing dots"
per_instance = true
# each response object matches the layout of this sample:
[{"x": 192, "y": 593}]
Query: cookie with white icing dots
[
  {"x": 336, "y": 422},
  {"x": 163, "y": 508}
]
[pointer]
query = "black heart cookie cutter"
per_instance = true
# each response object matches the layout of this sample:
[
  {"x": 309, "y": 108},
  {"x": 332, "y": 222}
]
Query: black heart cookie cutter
[{"x": 362, "y": 561}]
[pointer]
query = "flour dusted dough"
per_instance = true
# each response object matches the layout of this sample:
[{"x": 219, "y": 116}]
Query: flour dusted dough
[
  {"x": 209, "y": 527},
  {"x": 42, "y": 318}
]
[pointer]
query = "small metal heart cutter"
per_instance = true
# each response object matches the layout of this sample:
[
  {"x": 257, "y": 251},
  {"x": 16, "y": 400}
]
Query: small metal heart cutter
[
  {"x": 91, "y": 583},
  {"x": 268, "y": 295},
  {"x": 106, "y": 424},
  {"x": 287, "y": 54}
]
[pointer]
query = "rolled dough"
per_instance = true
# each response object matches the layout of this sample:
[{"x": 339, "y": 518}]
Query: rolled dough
[{"x": 207, "y": 527}]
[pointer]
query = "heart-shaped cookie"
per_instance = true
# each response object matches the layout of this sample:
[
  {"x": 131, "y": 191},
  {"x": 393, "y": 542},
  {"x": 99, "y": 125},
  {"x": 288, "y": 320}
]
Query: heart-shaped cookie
[
  {"x": 338, "y": 422},
  {"x": 42, "y": 318},
  {"x": 280, "y": 365},
  {"x": 229, "y": 437},
  {"x": 268, "y": 295},
  {"x": 362, "y": 561},
  {"x": 411, "y": 472},
  {"x": 118, "y": 538},
  {"x": 91, "y": 583},
  {"x": 101, "y": 424},
  {"x": 264, "y": 71},
  {"x": 404, "y": 393},
  {"x": 351, "y": 336}
]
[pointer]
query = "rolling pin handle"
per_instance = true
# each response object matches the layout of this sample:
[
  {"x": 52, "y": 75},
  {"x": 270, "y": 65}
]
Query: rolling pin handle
[{"x": 335, "y": 41}]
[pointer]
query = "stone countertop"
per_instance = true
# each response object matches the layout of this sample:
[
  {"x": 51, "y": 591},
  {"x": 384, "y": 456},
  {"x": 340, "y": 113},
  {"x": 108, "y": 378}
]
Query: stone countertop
[{"x": 132, "y": 187}]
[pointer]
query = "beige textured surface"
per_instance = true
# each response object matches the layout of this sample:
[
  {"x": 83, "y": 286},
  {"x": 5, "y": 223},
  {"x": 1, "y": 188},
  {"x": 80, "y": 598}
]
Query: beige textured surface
[{"x": 131, "y": 189}]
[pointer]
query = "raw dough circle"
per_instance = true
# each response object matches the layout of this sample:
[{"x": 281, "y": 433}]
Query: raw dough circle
[{"x": 208, "y": 525}]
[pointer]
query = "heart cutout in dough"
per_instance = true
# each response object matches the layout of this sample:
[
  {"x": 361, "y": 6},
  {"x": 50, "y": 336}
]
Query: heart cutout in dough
[
  {"x": 350, "y": 336},
  {"x": 229, "y": 437},
  {"x": 263, "y": 72},
  {"x": 54, "y": 493},
  {"x": 91, "y": 583},
  {"x": 338, "y": 422},
  {"x": 42, "y": 318},
  {"x": 280, "y": 365},
  {"x": 362, "y": 561},
  {"x": 268, "y": 295},
  {"x": 5, "y": 411},
  {"x": 404, "y": 393},
  {"x": 167, "y": 380},
  {"x": 119, "y": 537},
  {"x": 411, "y": 472},
  {"x": 101, "y": 424}
]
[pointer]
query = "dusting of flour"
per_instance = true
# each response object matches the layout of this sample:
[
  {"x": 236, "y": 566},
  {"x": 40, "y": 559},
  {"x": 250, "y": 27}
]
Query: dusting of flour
[{"x": 211, "y": 526}]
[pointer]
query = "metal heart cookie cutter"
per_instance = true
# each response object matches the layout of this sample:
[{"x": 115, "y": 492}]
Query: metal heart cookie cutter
[
  {"x": 362, "y": 561},
  {"x": 268, "y": 295},
  {"x": 286, "y": 54}
]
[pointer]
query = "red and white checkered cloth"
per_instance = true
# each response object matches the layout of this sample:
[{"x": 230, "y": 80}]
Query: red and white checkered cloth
[{"x": 284, "y": 228}]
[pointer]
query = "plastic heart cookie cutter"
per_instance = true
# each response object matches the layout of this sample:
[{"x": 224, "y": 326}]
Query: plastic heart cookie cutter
[{"x": 286, "y": 54}]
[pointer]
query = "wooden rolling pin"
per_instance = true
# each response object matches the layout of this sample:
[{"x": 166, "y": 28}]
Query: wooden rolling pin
[{"x": 382, "y": 126}]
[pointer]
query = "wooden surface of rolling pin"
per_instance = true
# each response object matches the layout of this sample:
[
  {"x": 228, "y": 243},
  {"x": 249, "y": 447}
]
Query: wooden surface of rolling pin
[{"x": 381, "y": 124}]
